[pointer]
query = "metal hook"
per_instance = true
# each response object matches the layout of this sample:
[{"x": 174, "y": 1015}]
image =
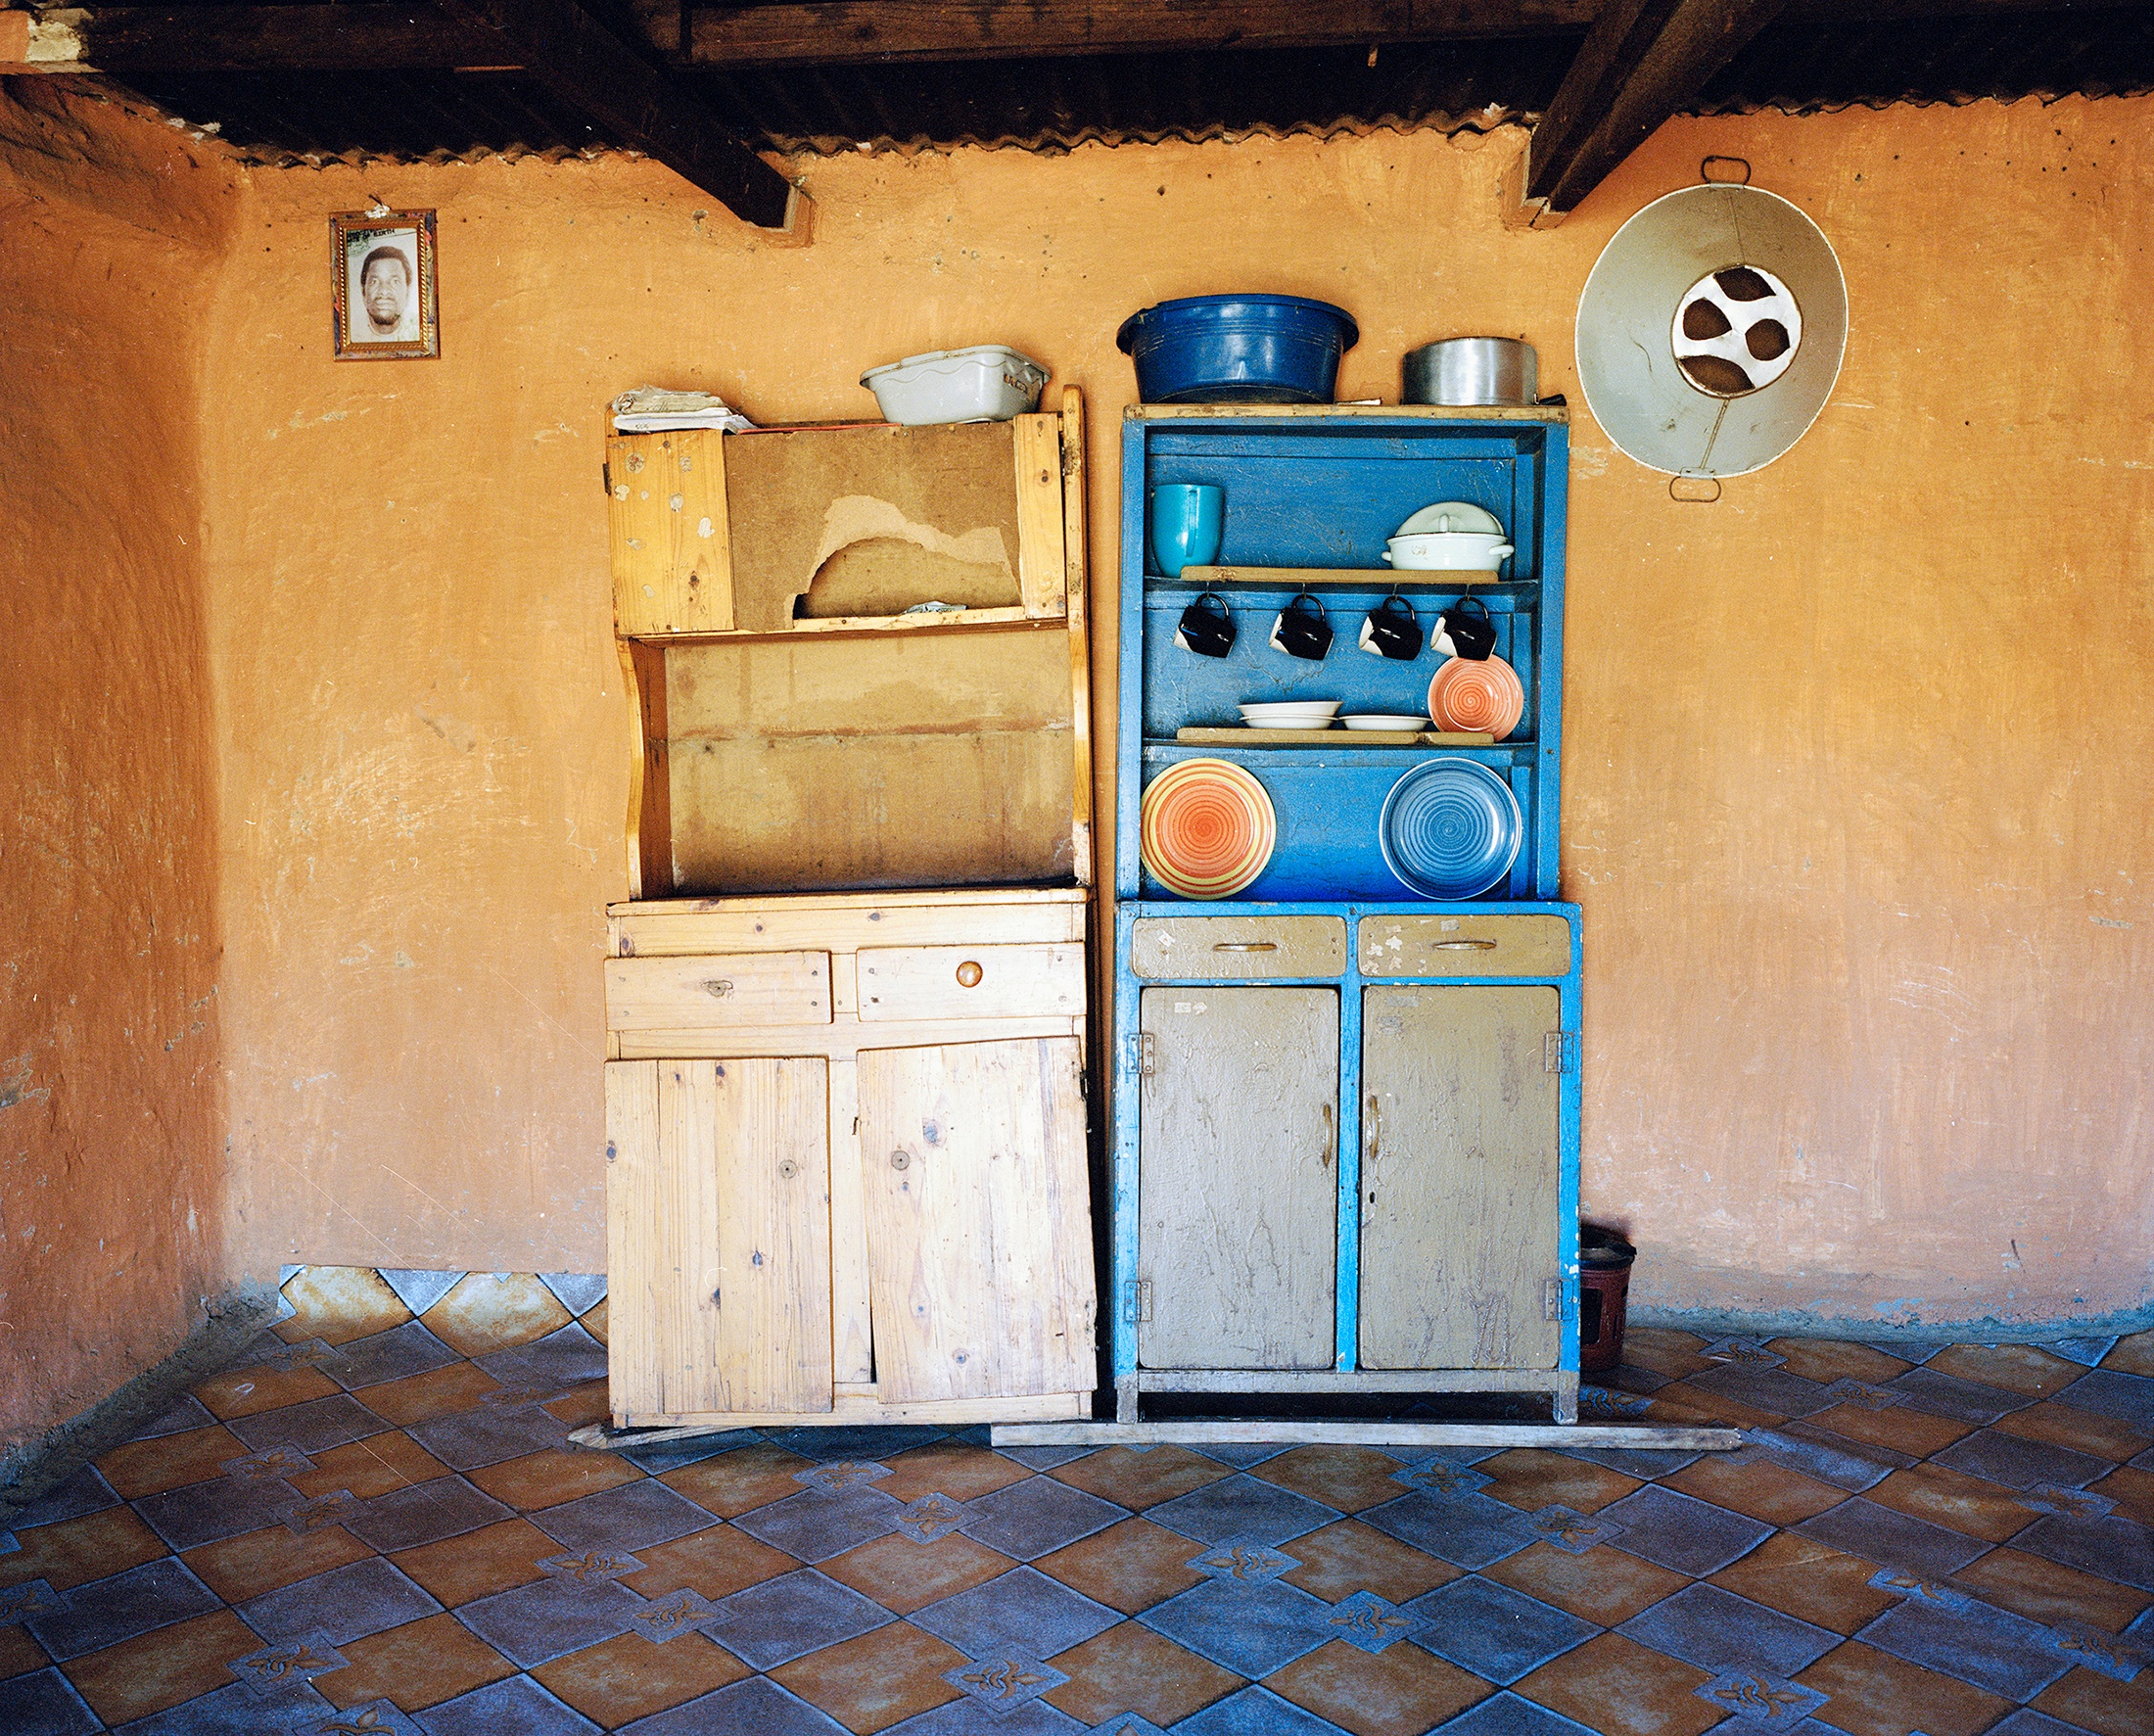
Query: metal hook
[{"x": 1695, "y": 486}]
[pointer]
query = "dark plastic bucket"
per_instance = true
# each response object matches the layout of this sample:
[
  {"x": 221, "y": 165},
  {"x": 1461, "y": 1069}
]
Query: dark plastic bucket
[
  {"x": 1238, "y": 349},
  {"x": 1604, "y": 1292}
]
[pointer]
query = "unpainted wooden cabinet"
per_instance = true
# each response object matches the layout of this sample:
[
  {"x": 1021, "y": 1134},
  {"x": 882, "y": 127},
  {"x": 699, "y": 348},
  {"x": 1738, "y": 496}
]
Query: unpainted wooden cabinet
[{"x": 849, "y": 1182}]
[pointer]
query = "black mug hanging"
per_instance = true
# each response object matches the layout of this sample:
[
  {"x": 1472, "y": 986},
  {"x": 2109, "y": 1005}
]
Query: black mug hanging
[
  {"x": 1391, "y": 630},
  {"x": 1301, "y": 630},
  {"x": 1207, "y": 628},
  {"x": 1460, "y": 634}
]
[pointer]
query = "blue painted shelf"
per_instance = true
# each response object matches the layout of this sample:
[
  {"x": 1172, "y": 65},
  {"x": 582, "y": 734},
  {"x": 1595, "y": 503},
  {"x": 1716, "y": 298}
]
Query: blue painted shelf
[{"x": 1322, "y": 489}]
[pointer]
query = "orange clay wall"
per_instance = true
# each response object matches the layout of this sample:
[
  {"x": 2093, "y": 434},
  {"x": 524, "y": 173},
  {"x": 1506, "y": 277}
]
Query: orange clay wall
[
  {"x": 111, "y": 1164},
  {"x": 1858, "y": 802}
]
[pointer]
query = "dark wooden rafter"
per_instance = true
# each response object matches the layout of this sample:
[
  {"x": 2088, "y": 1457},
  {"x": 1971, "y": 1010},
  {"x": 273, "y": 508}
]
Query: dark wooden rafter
[
  {"x": 1642, "y": 62},
  {"x": 833, "y": 33}
]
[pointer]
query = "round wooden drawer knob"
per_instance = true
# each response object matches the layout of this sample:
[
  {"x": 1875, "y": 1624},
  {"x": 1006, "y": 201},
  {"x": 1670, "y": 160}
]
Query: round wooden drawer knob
[{"x": 969, "y": 976}]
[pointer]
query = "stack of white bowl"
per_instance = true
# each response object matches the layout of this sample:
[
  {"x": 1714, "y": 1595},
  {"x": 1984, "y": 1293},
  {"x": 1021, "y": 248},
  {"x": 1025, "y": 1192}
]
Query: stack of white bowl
[{"x": 1292, "y": 714}]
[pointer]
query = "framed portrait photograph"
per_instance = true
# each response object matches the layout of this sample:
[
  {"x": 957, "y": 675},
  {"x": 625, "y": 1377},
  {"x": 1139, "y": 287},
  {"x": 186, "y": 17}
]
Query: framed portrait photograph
[{"x": 382, "y": 279}]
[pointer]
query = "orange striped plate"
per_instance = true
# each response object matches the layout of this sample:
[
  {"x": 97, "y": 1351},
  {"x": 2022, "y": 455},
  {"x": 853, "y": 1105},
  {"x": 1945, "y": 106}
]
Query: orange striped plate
[
  {"x": 1207, "y": 829},
  {"x": 1466, "y": 696}
]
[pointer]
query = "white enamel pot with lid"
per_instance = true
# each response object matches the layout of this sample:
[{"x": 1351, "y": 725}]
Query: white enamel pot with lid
[{"x": 1450, "y": 537}]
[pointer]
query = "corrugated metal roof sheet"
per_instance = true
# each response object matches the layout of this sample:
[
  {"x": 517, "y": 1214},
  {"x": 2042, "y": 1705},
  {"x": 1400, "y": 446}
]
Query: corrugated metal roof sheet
[{"x": 1053, "y": 102}]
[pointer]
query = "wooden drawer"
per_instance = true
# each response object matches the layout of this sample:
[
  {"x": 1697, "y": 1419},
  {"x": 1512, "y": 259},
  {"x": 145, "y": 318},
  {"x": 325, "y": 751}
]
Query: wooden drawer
[
  {"x": 696, "y": 993},
  {"x": 970, "y": 982},
  {"x": 1239, "y": 947},
  {"x": 1464, "y": 946}
]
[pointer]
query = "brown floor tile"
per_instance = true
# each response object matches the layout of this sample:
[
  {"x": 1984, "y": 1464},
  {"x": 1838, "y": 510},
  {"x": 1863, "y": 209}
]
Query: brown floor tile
[
  {"x": 1346, "y": 1556},
  {"x": 952, "y": 1468},
  {"x": 738, "y": 1481},
  {"x": 339, "y": 1304},
  {"x": 1128, "y": 1567},
  {"x": 1969, "y": 1505},
  {"x": 439, "y": 1392},
  {"x": 1348, "y": 1478},
  {"x": 1138, "y": 1480},
  {"x": 1763, "y": 1490},
  {"x": 2101, "y": 1702},
  {"x": 629, "y": 1677},
  {"x": 169, "y": 1461},
  {"x": 1399, "y": 1691},
  {"x": 2050, "y": 1592},
  {"x": 1902, "y": 1430},
  {"x": 1604, "y": 1586},
  {"x": 1872, "y": 1693},
  {"x": 488, "y": 1311},
  {"x": 2131, "y": 1490},
  {"x": 19, "y": 1654},
  {"x": 1671, "y": 1353},
  {"x": 243, "y": 1391},
  {"x": 254, "y": 1561},
  {"x": 543, "y": 1479},
  {"x": 370, "y": 1467},
  {"x": 1800, "y": 1576},
  {"x": 1529, "y": 1478},
  {"x": 580, "y": 1405},
  {"x": 76, "y": 1551},
  {"x": 876, "y": 1680},
  {"x": 2134, "y": 1354},
  {"x": 417, "y": 1666},
  {"x": 718, "y": 1562},
  {"x": 1396, "y": 1691},
  {"x": 593, "y": 1319},
  {"x": 1826, "y": 1360},
  {"x": 904, "y": 1576},
  {"x": 2012, "y": 1368},
  {"x": 2067, "y": 1426},
  {"x": 161, "y": 1667},
  {"x": 1693, "y": 1406},
  {"x": 1619, "y": 1688},
  {"x": 1131, "y": 1669},
  {"x": 457, "y": 1570}
]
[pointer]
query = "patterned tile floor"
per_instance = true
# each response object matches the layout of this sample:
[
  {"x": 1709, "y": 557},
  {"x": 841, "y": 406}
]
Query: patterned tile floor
[{"x": 381, "y": 1534}]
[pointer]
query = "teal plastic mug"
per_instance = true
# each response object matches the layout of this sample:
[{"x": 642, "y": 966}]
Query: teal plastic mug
[{"x": 1184, "y": 521}]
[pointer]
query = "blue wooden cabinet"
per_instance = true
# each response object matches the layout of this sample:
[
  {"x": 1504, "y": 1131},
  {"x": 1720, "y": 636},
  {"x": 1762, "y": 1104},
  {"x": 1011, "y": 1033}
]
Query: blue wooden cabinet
[{"x": 1345, "y": 1141}]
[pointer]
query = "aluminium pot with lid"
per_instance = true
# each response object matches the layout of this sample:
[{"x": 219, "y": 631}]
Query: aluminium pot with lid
[{"x": 1474, "y": 372}]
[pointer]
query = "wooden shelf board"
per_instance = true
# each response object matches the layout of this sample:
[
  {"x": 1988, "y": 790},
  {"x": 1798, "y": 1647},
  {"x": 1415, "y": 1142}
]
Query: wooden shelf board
[
  {"x": 1197, "y": 735},
  {"x": 1373, "y": 1433},
  {"x": 1550, "y": 414},
  {"x": 862, "y": 625},
  {"x": 690, "y": 904}
]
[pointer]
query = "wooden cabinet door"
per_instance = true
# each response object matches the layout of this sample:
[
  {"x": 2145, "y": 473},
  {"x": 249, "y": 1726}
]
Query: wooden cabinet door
[
  {"x": 1459, "y": 1178},
  {"x": 979, "y": 1220},
  {"x": 1237, "y": 1191},
  {"x": 718, "y": 1231}
]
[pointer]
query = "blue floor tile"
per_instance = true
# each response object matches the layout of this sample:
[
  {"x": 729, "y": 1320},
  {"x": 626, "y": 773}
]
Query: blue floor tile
[
  {"x": 785, "y": 1618},
  {"x": 1717, "y": 1631},
  {"x": 346, "y": 1603},
  {"x": 1674, "y": 1530},
  {"x": 1036, "y": 1516},
  {"x": 1991, "y": 1648},
  {"x": 1497, "y": 1633},
  {"x": 106, "y": 1610},
  {"x": 1022, "y": 1610},
  {"x": 517, "y": 1706},
  {"x": 548, "y": 1619},
  {"x": 1255, "y": 1712},
  {"x": 1466, "y": 1530},
  {"x": 1251, "y": 1629},
  {"x": 1894, "y": 1539}
]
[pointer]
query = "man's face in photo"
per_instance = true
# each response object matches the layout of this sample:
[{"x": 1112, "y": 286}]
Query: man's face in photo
[{"x": 384, "y": 289}]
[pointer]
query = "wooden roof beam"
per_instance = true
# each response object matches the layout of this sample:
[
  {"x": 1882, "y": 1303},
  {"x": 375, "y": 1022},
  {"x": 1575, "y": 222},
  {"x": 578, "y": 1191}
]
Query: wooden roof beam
[
  {"x": 1643, "y": 61},
  {"x": 840, "y": 32}
]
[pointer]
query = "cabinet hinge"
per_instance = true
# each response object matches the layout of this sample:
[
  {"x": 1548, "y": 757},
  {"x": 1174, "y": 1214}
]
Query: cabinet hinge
[
  {"x": 1147, "y": 1056},
  {"x": 1560, "y": 1051},
  {"x": 1137, "y": 1302},
  {"x": 605, "y": 480},
  {"x": 1552, "y": 1299}
]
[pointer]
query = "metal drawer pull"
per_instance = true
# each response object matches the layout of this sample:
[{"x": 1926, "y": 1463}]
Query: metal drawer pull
[
  {"x": 1461, "y": 946},
  {"x": 1246, "y": 946},
  {"x": 969, "y": 976}
]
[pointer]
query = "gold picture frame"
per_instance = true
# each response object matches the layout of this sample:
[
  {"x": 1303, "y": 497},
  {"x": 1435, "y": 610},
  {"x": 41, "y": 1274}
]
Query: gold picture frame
[{"x": 381, "y": 273}]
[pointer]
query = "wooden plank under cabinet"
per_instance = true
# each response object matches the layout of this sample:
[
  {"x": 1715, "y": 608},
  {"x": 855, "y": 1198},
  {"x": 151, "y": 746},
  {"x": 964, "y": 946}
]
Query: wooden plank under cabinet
[
  {"x": 718, "y": 1205},
  {"x": 1459, "y": 1169},
  {"x": 978, "y": 1221},
  {"x": 1239, "y": 1191}
]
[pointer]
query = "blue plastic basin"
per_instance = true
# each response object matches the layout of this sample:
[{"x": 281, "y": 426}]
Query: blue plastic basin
[{"x": 1238, "y": 349}]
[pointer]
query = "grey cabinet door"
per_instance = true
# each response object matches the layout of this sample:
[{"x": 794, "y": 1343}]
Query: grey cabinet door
[
  {"x": 1237, "y": 1184},
  {"x": 1459, "y": 1171}
]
